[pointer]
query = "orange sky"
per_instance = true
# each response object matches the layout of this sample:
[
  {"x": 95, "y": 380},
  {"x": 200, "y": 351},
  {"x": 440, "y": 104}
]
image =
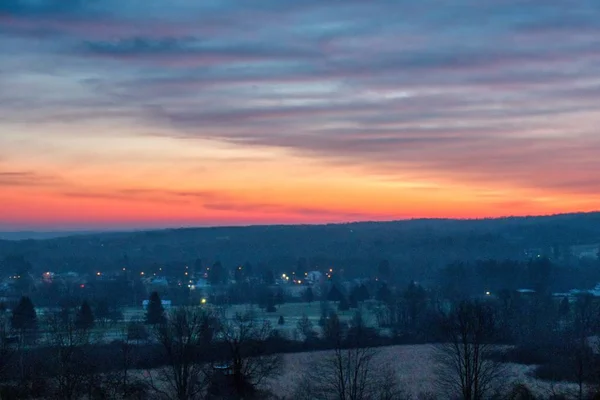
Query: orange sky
[
  {"x": 146, "y": 114},
  {"x": 140, "y": 181}
]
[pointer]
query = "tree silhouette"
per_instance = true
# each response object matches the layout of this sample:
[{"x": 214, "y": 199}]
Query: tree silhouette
[
  {"x": 465, "y": 369},
  {"x": 155, "y": 314},
  {"x": 308, "y": 295},
  {"x": 384, "y": 294},
  {"x": 102, "y": 312},
  {"x": 24, "y": 316},
  {"x": 279, "y": 297},
  {"x": 363, "y": 293},
  {"x": 334, "y": 294},
  {"x": 343, "y": 304},
  {"x": 305, "y": 328},
  {"x": 217, "y": 274},
  {"x": 85, "y": 317}
]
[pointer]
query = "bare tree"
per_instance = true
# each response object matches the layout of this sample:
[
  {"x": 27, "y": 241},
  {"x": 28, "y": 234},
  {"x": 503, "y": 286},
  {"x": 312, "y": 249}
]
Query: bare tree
[
  {"x": 354, "y": 370},
  {"x": 464, "y": 366},
  {"x": 248, "y": 358},
  {"x": 578, "y": 348},
  {"x": 68, "y": 366},
  {"x": 7, "y": 347},
  {"x": 185, "y": 336},
  {"x": 121, "y": 383}
]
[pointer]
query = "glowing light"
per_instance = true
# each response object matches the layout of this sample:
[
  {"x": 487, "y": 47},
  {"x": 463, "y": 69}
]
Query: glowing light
[
  {"x": 82, "y": 286},
  {"x": 203, "y": 301},
  {"x": 98, "y": 273},
  {"x": 142, "y": 273},
  {"x": 487, "y": 293},
  {"x": 283, "y": 276}
]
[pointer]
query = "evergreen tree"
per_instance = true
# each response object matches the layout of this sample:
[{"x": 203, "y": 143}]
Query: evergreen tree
[
  {"x": 155, "y": 313},
  {"x": 279, "y": 297},
  {"x": 85, "y": 318},
  {"x": 217, "y": 274},
  {"x": 334, "y": 294},
  {"x": 269, "y": 277},
  {"x": 343, "y": 305},
  {"x": 281, "y": 320},
  {"x": 384, "y": 294},
  {"x": 362, "y": 293},
  {"x": 309, "y": 296},
  {"x": 102, "y": 311},
  {"x": 24, "y": 316},
  {"x": 352, "y": 300}
]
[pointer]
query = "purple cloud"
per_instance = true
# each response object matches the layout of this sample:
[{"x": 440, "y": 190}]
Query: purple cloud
[{"x": 496, "y": 91}]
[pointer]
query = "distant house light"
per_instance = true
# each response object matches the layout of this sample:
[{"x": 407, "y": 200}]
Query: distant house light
[{"x": 487, "y": 293}]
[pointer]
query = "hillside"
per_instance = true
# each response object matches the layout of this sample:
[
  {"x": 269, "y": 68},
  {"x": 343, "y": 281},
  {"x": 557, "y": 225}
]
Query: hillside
[{"x": 418, "y": 244}]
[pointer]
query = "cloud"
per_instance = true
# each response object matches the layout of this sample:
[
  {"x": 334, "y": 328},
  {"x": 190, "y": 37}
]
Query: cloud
[
  {"x": 496, "y": 92},
  {"x": 145, "y": 195},
  {"x": 41, "y": 7},
  {"x": 26, "y": 179}
]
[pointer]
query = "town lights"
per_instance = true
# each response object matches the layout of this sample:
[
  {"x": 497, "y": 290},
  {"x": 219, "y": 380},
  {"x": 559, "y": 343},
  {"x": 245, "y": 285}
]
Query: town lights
[{"x": 203, "y": 301}]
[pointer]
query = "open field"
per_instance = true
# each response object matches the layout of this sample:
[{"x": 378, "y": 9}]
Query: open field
[
  {"x": 291, "y": 312},
  {"x": 415, "y": 370}
]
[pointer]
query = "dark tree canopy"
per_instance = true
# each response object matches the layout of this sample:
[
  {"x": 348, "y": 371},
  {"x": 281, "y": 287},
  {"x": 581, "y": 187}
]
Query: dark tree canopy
[
  {"x": 85, "y": 316},
  {"x": 155, "y": 313},
  {"x": 384, "y": 294},
  {"x": 308, "y": 295},
  {"x": 335, "y": 294},
  {"x": 217, "y": 274},
  {"x": 24, "y": 316}
]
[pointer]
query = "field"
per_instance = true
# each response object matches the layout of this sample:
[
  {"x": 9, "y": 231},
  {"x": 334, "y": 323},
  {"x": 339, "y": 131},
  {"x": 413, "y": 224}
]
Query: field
[{"x": 415, "y": 370}]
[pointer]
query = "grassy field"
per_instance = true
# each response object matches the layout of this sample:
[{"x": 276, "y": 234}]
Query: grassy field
[
  {"x": 415, "y": 370},
  {"x": 291, "y": 312}
]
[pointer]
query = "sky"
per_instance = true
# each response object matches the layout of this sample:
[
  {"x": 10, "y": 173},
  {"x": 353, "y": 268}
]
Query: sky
[{"x": 154, "y": 113}]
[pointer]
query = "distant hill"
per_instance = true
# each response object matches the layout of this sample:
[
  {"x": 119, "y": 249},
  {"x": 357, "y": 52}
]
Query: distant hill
[
  {"x": 35, "y": 235},
  {"x": 421, "y": 245}
]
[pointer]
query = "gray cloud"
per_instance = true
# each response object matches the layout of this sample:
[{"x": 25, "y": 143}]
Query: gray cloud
[
  {"x": 502, "y": 90},
  {"x": 26, "y": 179}
]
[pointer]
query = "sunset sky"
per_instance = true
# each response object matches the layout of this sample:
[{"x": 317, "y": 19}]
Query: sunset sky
[{"x": 156, "y": 113}]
